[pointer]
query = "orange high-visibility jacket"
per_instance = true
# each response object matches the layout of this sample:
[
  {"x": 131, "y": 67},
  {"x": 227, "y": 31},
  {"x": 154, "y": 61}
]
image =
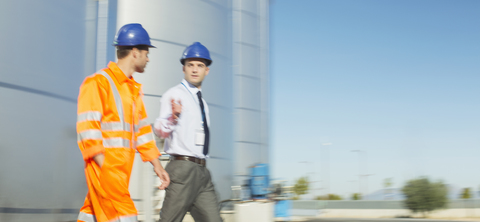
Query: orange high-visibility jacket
[{"x": 111, "y": 120}]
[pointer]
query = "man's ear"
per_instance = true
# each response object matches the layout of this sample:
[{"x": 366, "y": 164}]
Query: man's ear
[
  {"x": 135, "y": 52},
  {"x": 207, "y": 70}
]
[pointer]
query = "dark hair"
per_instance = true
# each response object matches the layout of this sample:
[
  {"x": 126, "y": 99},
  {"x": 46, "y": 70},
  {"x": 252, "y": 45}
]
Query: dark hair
[
  {"x": 123, "y": 51},
  {"x": 205, "y": 61}
]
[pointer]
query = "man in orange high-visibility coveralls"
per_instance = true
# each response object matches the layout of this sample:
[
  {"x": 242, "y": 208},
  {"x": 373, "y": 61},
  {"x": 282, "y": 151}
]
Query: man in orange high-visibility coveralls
[{"x": 111, "y": 125}]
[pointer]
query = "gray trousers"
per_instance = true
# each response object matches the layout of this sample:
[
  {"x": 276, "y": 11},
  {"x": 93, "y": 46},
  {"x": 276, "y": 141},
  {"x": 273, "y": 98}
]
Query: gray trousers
[{"x": 190, "y": 190}]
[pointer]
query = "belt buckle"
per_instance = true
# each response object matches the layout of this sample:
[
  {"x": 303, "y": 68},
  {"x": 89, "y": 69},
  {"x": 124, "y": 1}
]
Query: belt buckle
[
  {"x": 190, "y": 158},
  {"x": 198, "y": 161}
]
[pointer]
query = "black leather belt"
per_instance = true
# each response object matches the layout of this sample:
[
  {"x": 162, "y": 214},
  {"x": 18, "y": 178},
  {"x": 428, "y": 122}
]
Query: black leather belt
[{"x": 189, "y": 158}]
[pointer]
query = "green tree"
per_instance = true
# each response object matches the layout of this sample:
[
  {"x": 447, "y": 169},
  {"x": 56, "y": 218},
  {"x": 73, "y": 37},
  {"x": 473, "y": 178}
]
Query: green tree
[
  {"x": 356, "y": 196},
  {"x": 301, "y": 186},
  {"x": 466, "y": 193},
  {"x": 330, "y": 196},
  {"x": 424, "y": 196},
  {"x": 387, "y": 183}
]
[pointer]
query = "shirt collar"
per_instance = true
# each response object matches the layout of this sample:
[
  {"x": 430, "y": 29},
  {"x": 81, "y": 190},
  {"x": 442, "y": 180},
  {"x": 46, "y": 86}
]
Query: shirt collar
[
  {"x": 117, "y": 72},
  {"x": 193, "y": 89}
]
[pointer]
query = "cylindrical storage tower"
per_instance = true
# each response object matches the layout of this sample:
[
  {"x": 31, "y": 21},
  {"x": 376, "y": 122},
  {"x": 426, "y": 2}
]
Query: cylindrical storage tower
[
  {"x": 251, "y": 84},
  {"x": 51, "y": 46},
  {"x": 172, "y": 26},
  {"x": 44, "y": 47}
]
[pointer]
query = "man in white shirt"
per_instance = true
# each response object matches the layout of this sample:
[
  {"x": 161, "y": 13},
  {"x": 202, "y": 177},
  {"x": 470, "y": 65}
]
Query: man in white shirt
[{"x": 184, "y": 122}]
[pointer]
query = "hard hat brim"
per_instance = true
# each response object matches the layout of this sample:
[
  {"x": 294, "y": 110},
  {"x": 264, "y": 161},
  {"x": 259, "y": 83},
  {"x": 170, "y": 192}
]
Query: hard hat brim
[
  {"x": 208, "y": 62},
  {"x": 149, "y": 46}
]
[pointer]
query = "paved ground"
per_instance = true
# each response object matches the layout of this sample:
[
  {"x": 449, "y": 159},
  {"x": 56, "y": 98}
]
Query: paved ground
[{"x": 374, "y": 220}]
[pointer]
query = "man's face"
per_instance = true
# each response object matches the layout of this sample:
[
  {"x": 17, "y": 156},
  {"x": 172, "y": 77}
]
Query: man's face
[
  {"x": 195, "y": 71},
  {"x": 141, "y": 60}
]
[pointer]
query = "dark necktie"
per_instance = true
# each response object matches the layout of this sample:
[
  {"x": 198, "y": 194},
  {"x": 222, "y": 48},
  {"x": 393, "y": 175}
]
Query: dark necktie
[{"x": 205, "y": 125}]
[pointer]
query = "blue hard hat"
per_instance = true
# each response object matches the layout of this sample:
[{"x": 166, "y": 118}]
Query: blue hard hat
[
  {"x": 196, "y": 50},
  {"x": 131, "y": 35}
]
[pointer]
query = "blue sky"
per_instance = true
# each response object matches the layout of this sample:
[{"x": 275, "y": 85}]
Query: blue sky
[{"x": 399, "y": 80}]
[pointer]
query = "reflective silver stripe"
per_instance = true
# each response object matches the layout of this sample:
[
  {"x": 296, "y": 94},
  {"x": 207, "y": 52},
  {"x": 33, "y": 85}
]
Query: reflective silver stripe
[
  {"x": 86, "y": 217},
  {"x": 89, "y": 116},
  {"x": 128, "y": 219},
  {"x": 116, "y": 143},
  {"x": 116, "y": 95},
  {"x": 136, "y": 129},
  {"x": 144, "y": 139},
  {"x": 89, "y": 135},
  {"x": 125, "y": 219},
  {"x": 142, "y": 123},
  {"x": 116, "y": 126}
]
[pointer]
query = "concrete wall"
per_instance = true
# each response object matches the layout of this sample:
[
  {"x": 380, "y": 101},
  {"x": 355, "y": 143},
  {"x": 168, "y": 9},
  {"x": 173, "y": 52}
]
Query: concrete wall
[
  {"x": 384, "y": 209},
  {"x": 391, "y": 213}
]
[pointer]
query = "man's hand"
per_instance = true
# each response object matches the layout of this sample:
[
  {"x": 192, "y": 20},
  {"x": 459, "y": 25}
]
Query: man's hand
[
  {"x": 161, "y": 173},
  {"x": 164, "y": 177},
  {"x": 176, "y": 109}
]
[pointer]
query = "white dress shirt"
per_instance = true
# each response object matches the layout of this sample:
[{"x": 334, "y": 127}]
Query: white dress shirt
[{"x": 180, "y": 135}]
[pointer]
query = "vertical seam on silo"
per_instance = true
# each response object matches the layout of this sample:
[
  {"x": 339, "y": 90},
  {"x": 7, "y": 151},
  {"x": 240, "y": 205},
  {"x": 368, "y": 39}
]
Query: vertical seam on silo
[{"x": 102, "y": 34}]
